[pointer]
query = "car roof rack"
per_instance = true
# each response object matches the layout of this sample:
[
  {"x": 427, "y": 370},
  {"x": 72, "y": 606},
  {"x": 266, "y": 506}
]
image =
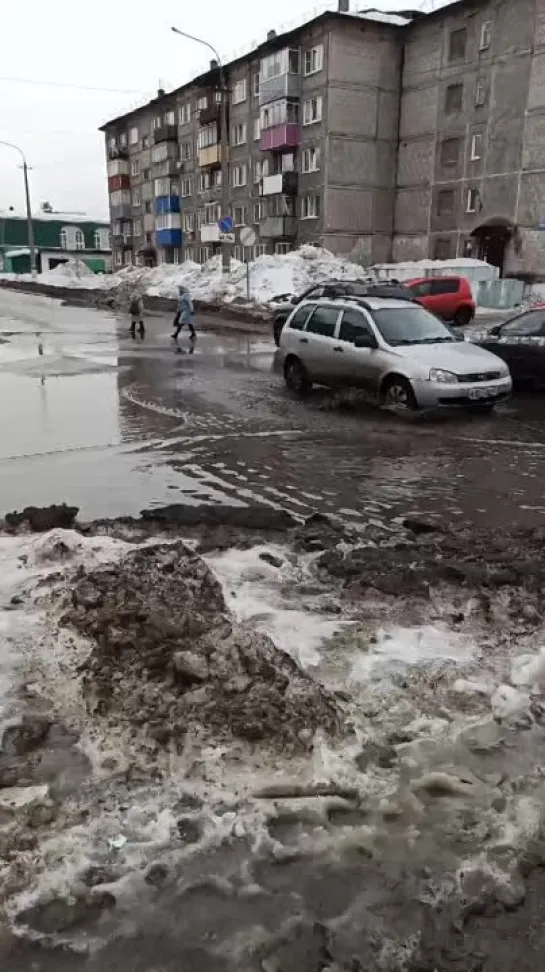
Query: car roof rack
[{"x": 386, "y": 293}]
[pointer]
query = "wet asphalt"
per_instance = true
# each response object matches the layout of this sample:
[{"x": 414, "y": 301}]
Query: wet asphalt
[{"x": 113, "y": 425}]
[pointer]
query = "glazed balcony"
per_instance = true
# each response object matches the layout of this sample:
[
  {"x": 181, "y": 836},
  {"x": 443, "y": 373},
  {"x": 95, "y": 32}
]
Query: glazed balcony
[
  {"x": 280, "y": 137},
  {"x": 122, "y": 241},
  {"x": 210, "y": 114},
  {"x": 211, "y": 155},
  {"x": 283, "y": 182},
  {"x": 121, "y": 211},
  {"x": 118, "y": 152},
  {"x": 278, "y": 227},
  {"x": 116, "y": 182}
]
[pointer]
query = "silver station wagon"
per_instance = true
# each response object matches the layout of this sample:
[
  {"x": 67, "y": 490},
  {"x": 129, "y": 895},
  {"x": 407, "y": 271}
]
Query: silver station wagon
[{"x": 395, "y": 350}]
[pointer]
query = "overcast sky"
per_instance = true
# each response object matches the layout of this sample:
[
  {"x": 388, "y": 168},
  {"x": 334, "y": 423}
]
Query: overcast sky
[{"x": 52, "y": 52}]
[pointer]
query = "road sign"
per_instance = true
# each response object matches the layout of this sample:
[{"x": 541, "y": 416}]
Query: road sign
[
  {"x": 227, "y": 237},
  {"x": 247, "y": 236},
  {"x": 226, "y": 224}
]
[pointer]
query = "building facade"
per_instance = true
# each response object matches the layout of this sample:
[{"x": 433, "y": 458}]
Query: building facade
[
  {"x": 57, "y": 240},
  {"x": 387, "y": 137}
]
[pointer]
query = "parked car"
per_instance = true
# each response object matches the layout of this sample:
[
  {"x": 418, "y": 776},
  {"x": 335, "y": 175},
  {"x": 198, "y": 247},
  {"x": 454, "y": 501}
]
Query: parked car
[
  {"x": 333, "y": 288},
  {"x": 448, "y": 297},
  {"x": 395, "y": 350},
  {"x": 520, "y": 342}
]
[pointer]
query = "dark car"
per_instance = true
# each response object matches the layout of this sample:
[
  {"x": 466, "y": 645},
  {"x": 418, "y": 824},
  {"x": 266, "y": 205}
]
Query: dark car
[
  {"x": 520, "y": 341},
  {"x": 331, "y": 289}
]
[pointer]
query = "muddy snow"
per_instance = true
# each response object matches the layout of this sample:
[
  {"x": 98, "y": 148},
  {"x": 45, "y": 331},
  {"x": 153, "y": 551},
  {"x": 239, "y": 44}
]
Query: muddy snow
[{"x": 276, "y": 745}]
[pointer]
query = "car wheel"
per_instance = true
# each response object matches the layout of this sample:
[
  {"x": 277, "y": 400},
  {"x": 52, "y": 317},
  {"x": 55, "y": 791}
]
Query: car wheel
[
  {"x": 277, "y": 330},
  {"x": 398, "y": 394},
  {"x": 296, "y": 377},
  {"x": 462, "y": 317}
]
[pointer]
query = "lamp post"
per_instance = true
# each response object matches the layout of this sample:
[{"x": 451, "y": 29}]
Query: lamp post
[
  {"x": 224, "y": 140},
  {"x": 33, "y": 264}
]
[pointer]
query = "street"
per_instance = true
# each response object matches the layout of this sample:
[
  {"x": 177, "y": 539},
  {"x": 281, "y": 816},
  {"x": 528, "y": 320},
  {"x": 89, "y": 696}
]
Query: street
[
  {"x": 113, "y": 425},
  {"x": 291, "y": 718}
]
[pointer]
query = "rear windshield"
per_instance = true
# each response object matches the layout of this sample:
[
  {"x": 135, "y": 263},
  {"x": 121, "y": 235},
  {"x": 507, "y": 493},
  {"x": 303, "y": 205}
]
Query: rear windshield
[{"x": 410, "y": 325}]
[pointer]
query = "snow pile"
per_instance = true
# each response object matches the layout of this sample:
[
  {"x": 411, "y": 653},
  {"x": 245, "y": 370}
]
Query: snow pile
[
  {"x": 70, "y": 274},
  {"x": 474, "y": 270}
]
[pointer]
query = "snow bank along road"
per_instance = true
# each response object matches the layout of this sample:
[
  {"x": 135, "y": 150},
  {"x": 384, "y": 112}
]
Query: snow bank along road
[{"x": 290, "y": 718}]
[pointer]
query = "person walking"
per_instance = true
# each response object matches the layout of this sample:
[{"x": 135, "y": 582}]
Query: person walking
[
  {"x": 185, "y": 314},
  {"x": 136, "y": 310}
]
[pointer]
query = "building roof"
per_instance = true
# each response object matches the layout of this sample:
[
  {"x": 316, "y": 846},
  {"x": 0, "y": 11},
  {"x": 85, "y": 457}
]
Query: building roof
[
  {"x": 395, "y": 20},
  {"x": 66, "y": 220}
]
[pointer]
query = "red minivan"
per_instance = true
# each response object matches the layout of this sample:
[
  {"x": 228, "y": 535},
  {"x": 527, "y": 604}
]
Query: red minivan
[{"x": 447, "y": 297}]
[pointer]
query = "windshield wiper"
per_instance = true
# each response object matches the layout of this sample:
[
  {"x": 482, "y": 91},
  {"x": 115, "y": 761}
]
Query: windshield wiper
[{"x": 436, "y": 340}]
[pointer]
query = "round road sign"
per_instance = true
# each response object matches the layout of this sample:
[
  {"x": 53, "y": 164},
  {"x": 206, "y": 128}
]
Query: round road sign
[{"x": 247, "y": 236}]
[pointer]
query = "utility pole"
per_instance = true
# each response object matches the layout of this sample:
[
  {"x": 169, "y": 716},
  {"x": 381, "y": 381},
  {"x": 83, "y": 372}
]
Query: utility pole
[
  {"x": 224, "y": 141},
  {"x": 30, "y": 227}
]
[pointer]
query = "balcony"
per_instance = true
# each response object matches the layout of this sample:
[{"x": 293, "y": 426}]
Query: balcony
[
  {"x": 165, "y": 133},
  {"x": 168, "y": 238},
  {"x": 166, "y": 169},
  {"x": 210, "y": 233},
  {"x": 116, "y": 182},
  {"x": 118, "y": 152},
  {"x": 278, "y": 227},
  {"x": 123, "y": 211},
  {"x": 167, "y": 204},
  {"x": 210, "y": 114},
  {"x": 285, "y": 86},
  {"x": 209, "y": 156},
  {"x": 282, "y": 182},
  {"x": 122, "y": 240},
  {"x": 280, "y": 137}
]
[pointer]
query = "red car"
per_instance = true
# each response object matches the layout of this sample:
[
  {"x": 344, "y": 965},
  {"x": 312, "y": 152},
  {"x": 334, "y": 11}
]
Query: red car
[{"x": 447, "y": 297}]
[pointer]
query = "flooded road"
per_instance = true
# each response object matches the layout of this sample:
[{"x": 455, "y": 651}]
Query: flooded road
[
  {"x": 301, "y": 741},
  {"x": 113, "y": 425}
]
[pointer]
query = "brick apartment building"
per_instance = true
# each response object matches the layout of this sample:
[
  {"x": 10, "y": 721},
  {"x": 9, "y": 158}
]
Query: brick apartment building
[{"x": 397, "y": 137}]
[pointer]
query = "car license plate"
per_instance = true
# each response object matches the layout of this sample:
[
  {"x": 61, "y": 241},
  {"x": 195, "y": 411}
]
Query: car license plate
[{"x": 479, "y": 393}]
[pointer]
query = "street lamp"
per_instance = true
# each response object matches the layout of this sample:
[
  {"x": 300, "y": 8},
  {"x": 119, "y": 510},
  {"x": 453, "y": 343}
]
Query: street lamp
[
  {"x": 224, "y": 140},
  {"x": 33, "y": 265}
]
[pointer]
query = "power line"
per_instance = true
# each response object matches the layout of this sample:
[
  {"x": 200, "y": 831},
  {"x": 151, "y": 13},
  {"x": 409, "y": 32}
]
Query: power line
[{"x": 73, "y": 87}]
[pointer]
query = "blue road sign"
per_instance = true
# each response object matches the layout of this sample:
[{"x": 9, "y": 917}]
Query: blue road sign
[{"x": 226, "y": 224}]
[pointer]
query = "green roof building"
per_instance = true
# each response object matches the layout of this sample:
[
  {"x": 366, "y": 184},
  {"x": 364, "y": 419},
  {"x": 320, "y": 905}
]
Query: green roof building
[{"x": 57, "y": 241}]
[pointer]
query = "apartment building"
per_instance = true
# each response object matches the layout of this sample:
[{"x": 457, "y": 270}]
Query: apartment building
[{"x": 403, "y": 137}]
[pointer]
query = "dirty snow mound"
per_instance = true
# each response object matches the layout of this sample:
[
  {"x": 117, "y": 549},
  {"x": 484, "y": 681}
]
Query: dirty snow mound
[{"x": 169, "y": 657}]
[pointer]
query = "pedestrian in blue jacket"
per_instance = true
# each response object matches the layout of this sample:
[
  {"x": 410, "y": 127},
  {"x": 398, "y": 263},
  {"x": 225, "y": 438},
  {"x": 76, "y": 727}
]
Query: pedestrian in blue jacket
[{"x": 185, "y": 314}]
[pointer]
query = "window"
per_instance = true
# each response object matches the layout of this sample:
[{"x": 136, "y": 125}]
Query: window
[
  {"x": 188, "y": 222},
  {"x": 147, "y": 175},
  {"x": 205, "y": 181},
  {"x": 204, "y": 254},
  {"x": 118, "y": 258},
  {"x": 282, "y": 248},
  {"x": 527, "y": 325},
  {"x": 184, "y": 113},
  {"x": 157, "y": 122},
  {"x": 314, "y": 60},
  {"x": 288, "y": 162},
  {"x": 64, "y": 239},
  {"x": 137, "y": 227},
  {"x": 207, "y": 136},
  {"x": 238, "y": 134},
  {"x": 450, "y": 151},
  {"x": 310, "y": 161},
  {"x": 216, "y": 178},
  {"x": 476, "y": 146},
  {"x": 442, "y": 250},
  {"x": 133, "y": 136},
  {"x": 472, "y": 199},
  {"x": 239, "y": 175},
  {"x": 185, "y": 151},
  {"x": 454, "y": 99},
  {"x": 312, "y": 110},
  {"x": 480, "y": 92},
  {"x": 310, "y": 207},
  {"x": 128, "y": 258},
  {"x": 486, "y": 35},
  {"x": 279, "y": 113},
  {"x": 148, "y": 208},
  {"x": 260, "y": 210},
  {"x": 261, "y": 169},
  {"x": 186, "y": 187},
  {"x": 135, "y": 167},
  {"x": 145, "y": 141},
  {"x": 300, "y": 317},
  {"x": 281, "y": 62},
  {"x": 353, "y": 325},
  {"x": 422, "y": 289},
  {"x": 239, "y": 215},
  {"x": 188, "y": 255},
  {"x": 170, "y": 118},
  {"x": 123, "y": 139},
  {"x": 239, "y": 93},
  {"x": 212, "y": 213},
  {"x": 255, "y": 84},
  {"x": 323, "y": 321},
  {"x": 79, "y": 240},
  {"x": 257, "y": 129},
  {"x": 457, "y": 44},
  {"x": 202, "y": 103},
  {"x": 260, "y": 249},
  {"x": 101, "y": 239},
  {"x": 444, "y": 285},
  {"x": 445, "y": 202},
  {"x": 136, "y": 200}
]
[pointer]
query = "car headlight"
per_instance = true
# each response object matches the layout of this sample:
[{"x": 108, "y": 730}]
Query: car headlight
[
  {"x": 504, "y": 371},
  {"x": 445, "y": 377}
]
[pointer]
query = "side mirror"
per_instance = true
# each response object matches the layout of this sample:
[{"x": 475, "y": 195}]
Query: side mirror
[
  {"x": 294, "y": 300},
  {"x": 495, "y": 331},
  {"x": 365, "y": 341}
]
